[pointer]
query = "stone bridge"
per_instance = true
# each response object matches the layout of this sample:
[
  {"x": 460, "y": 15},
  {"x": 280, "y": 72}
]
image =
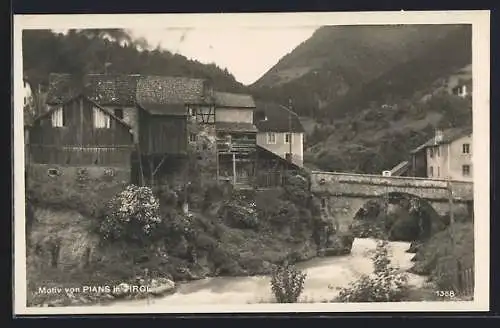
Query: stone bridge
[{"x": 346, "y": 193}]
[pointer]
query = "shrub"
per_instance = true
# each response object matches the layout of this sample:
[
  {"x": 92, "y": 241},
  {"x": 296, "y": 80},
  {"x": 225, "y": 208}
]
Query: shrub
[
  {"x": 386, "y": 284},
  {"x": 287, "y": 283},
  {"x": 132, "y": 214}
]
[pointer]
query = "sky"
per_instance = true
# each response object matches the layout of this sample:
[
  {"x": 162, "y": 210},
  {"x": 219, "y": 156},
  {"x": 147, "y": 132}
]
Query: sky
[{"x": 246, "y": 52}]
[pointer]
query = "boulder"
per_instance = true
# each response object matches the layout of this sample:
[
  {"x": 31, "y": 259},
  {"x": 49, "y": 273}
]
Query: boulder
[
  {"x": 414, "y": 247},
  {"x": 339, "y": 244},
  {"x": 162, "y": 286},
  {"x": 121, "y": 291}
]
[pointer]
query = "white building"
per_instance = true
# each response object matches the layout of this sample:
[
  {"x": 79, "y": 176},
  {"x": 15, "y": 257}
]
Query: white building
[{"x": 280, "y": 131}]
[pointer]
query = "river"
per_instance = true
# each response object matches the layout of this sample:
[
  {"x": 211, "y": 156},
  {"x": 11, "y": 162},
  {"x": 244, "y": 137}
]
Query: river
[{"x": 321, "y": 273}]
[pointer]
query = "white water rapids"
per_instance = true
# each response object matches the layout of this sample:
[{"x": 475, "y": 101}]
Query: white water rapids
[{"x": 321, "y": 273}]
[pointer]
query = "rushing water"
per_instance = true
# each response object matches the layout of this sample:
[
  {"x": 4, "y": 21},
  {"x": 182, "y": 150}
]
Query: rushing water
[{"x": 322, "y": 273}]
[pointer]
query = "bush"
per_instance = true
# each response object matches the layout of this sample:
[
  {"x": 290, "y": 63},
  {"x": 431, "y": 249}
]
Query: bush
[
  {"x": 287, "y": 283},
  {"x": 386, "y": 284},
  {"x": 132, "y": 215}
]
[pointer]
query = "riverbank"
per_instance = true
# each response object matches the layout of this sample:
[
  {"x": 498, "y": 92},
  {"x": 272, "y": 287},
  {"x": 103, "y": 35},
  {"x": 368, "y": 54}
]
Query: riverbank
[
  {"x": 324, "y": 276},
  {"x": 224, "y": 234}
]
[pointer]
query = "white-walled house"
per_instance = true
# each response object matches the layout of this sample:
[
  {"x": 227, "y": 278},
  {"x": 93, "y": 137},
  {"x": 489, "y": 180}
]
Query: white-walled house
[
  {"x": 280, "y": 131},
  {"x": 448, "y": 155}
]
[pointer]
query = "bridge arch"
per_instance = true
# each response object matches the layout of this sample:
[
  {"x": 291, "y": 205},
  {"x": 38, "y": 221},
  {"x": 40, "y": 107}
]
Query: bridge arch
[{"x": 347, "y": 211}]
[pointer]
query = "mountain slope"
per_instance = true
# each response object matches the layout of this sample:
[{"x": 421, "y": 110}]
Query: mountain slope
[
  {"x": 371, "y": 94},
  {"x": 337, "y": 59}
]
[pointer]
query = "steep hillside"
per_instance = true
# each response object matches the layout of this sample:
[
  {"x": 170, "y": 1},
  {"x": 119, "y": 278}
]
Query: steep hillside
[
  {"x": 337, "y": 59},
  {"x": 369, "y": 94},
  {"x": 112, "y": 51}
]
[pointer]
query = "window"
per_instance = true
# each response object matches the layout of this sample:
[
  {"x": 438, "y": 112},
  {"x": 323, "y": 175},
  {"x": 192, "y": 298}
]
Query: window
[
  {"x": 439, "y": 172},
  {"x": 119, "y": 113},
  {"x": 192, "y": 137},
  {"x": 465, "y": 170},
  {"x": 438, "y": 152},
  {"x": 271, "y": 138},
  {"x": 431, "y": 152},
  {"x": 58, "y": 118},
  {"x": 101, "y": 119},
  {"x": 431, "y": 171},
  {"x": 288, "y": 137},
  {"x": 323, "y": 203},
  {"x": 466, "y": 148}
]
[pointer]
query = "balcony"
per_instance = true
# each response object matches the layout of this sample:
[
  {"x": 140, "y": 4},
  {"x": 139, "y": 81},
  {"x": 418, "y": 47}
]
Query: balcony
[{"x": 240, "y": 146}]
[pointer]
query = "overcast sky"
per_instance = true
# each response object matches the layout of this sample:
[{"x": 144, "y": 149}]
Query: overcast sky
[{"x": 246, "y": 52}]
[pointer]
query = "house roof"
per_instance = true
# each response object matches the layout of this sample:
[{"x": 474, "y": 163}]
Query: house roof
[
  {"x": 110, "y": 113},
  {"x": 449, "y": 135},
  {"x": 156, "y": 94},
  {"x": 164, "y": 109},
  {"x": 265, "y": 153},
  {"x": 235, "y": 127},
  {"x": 234, "y": 100},
  {"x": 103, "y": 89},
  {"x": 400, "y": 168},
  {"x": 277, "y": 118},
  {"x": 166, "y": 90}
]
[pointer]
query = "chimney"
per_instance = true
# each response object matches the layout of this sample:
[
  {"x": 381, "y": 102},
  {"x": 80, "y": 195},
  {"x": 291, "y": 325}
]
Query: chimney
[{"x": 438, "y": 136}]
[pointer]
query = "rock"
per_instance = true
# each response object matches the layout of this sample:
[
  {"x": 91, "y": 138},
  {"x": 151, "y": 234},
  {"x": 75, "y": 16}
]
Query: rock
[
  {"x": 122, "y": 290},
  {"x": 162, "y": 286},
  {"x": 339, "y": 244},
  {"x": 414, "y": 247}
]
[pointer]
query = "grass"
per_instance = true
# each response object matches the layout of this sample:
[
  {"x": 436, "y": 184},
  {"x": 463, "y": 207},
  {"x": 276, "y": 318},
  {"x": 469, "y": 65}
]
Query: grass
[{"x": 438, "y": 256}]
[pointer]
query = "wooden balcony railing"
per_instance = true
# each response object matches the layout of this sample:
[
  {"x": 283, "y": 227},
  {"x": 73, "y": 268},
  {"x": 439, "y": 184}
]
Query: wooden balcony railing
[{"x": 237, "y": 146}]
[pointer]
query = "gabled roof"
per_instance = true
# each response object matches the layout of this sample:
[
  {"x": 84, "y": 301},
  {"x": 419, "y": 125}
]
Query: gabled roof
[
  {"x": 234, "y": 100},
  {"x": 103, "y": 89},
  {"x": 47, "y": 113},
  {"x": 277, "y": 118},
  {"x": 156, "y": 94},
  {"x": 449, "y": 135},
  {"x": 166, "y": 90},
  {"x": 235, "y": 127}
]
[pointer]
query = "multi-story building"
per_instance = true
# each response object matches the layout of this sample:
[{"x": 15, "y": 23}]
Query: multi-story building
[
  {"x": 280, "y": 132},
  {"x": 236, "y": 137},
  {"x": 448, "y": 155}
]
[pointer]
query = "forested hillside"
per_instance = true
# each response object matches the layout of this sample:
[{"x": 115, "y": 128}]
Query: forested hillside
[
  {"x": 111, "y": 51},
  {"x": 369, "y": 94}
]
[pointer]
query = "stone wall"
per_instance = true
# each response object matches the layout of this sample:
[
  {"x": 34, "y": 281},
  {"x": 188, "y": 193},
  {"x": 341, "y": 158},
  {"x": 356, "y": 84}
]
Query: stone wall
[
  {"x": 338, "y": 184},
  {"x": 75, "y": 177}
]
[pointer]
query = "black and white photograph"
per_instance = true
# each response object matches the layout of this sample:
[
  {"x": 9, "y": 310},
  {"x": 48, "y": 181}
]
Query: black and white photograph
[{"x": 287, "y": 162}]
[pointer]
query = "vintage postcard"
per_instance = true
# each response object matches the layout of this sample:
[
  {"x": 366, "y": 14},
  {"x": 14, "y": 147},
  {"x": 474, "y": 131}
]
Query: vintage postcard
[{"x": 298, "y": 162}]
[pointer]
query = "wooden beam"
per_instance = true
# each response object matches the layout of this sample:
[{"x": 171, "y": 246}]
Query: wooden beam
[
  {"x": 151, "y": 168},
  {"x": 160, "y": 164},
  {"x": 234, "y": 168}
]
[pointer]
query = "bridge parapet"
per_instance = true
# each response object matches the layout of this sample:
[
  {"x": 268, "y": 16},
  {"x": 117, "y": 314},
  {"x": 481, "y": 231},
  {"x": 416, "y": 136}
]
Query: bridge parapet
[{"x": 361, "y": 185}]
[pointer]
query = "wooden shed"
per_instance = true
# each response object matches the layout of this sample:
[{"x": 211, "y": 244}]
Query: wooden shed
[{"x": 80, "y": 132}]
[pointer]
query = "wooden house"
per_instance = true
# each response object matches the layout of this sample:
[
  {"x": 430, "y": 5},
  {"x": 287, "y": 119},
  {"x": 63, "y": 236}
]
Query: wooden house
[
  {"x": 164, "y": 115},
  {"x": 236, "y": 137},
  {"x": 76, "y": 131},
  {"x": 174, "y": 114}
]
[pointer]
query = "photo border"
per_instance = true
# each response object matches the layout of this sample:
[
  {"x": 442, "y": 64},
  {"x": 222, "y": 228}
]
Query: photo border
[{"x": 480, "y": 21}]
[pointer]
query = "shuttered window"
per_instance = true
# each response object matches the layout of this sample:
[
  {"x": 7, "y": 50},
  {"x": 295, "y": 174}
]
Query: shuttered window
[
  {"x": 58, "y": 118},
  {"x": 101, "y": 119}
]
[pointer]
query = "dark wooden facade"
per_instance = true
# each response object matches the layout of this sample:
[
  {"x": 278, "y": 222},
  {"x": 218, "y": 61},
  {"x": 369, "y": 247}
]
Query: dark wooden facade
[
  {"x": 162, "y": 134},
  {"x": 78, "y": 141},
  {"x": 271, "y": 169},
  {"x": 236, "y": 153},
  {"x": 418, "y": 164}
]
